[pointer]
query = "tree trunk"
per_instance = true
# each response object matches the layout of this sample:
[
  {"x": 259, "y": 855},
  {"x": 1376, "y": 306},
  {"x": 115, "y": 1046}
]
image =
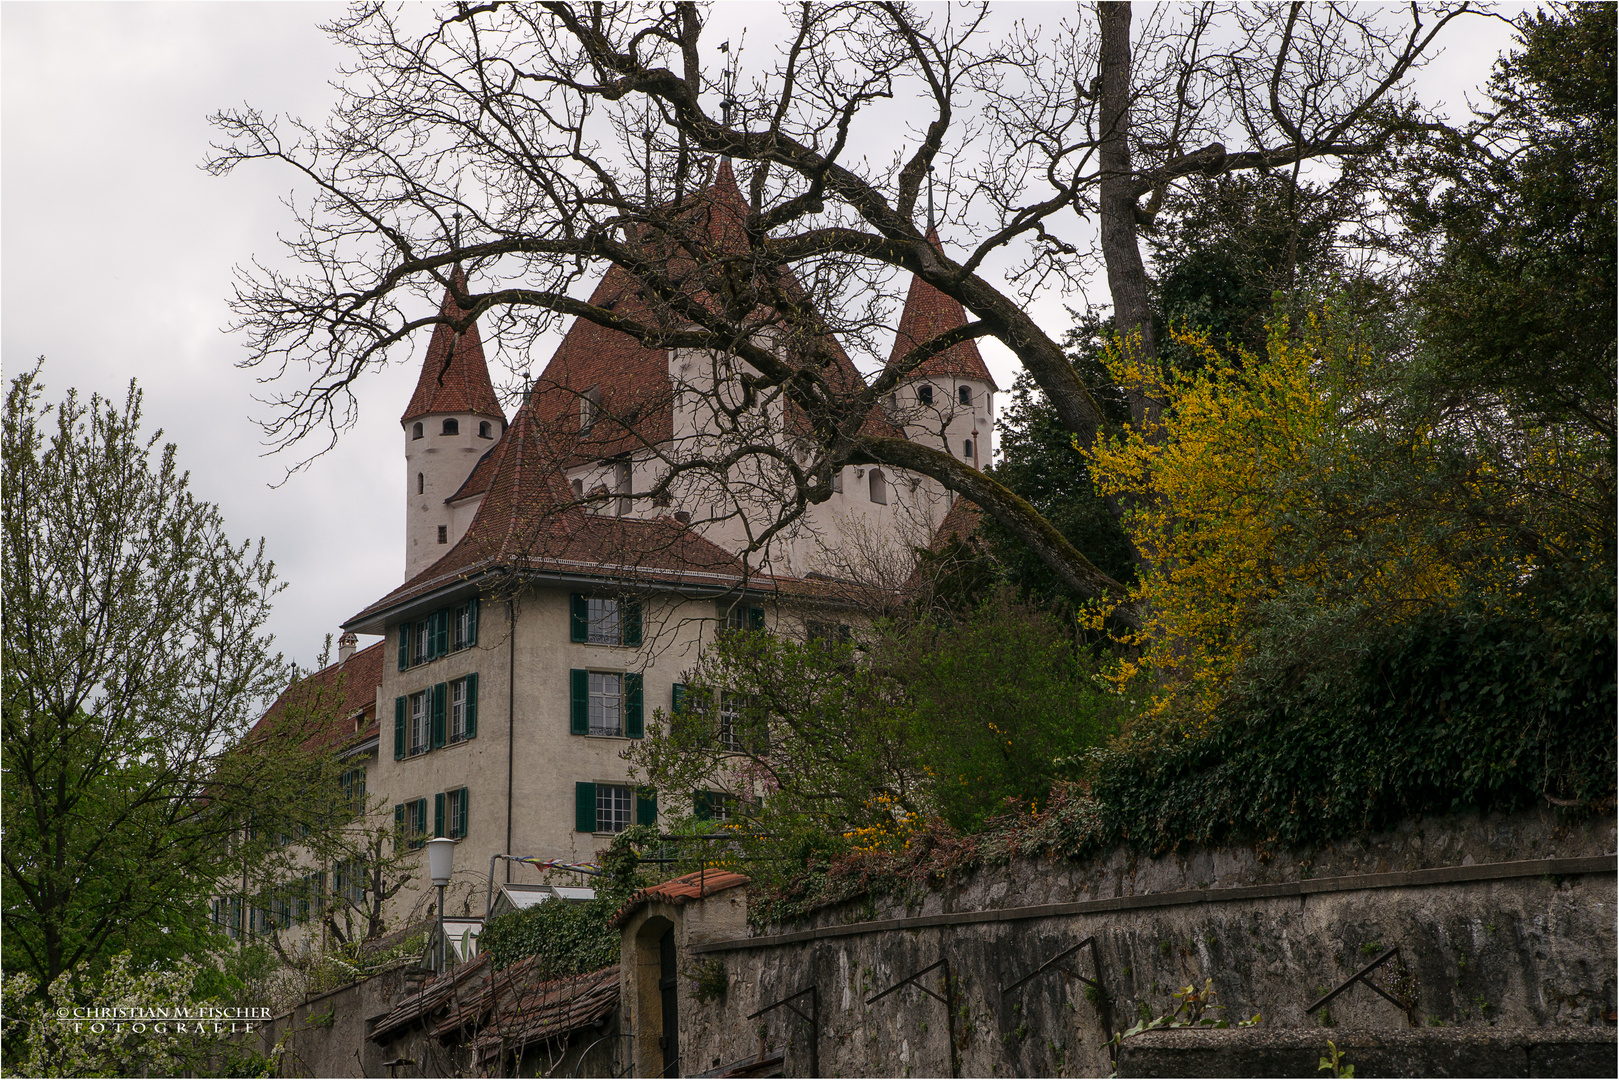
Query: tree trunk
[{"x": 1126, "y": 274}]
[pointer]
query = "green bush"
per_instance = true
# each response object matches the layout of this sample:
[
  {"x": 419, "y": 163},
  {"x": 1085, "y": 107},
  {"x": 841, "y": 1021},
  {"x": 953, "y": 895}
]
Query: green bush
[{"x": 1486, "y": 706}]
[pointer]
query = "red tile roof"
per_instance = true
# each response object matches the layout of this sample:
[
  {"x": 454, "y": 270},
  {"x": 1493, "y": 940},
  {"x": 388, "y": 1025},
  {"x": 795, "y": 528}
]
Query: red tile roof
[
  {"x": 693, "y": 886},
  {"x": 455, "y": 377},
  {"x": 929, "y": 313},
  {"x": 321, "y": 707}
]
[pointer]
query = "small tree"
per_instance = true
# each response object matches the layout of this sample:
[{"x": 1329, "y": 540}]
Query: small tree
[{"x": 135, "y": 660}]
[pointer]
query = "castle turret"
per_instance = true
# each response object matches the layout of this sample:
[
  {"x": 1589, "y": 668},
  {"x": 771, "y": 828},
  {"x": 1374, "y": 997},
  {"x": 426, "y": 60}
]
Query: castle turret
[
  {"x": 453, "y": 419},
  {"x": 948, "y": 400}
]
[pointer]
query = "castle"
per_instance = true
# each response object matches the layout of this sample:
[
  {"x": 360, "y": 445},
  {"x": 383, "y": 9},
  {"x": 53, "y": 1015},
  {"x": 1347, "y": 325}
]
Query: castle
[{"x": 565, "y": 567}]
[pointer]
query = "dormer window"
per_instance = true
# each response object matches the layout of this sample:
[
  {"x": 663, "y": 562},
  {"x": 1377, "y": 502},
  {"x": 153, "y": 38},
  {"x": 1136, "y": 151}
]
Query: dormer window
[
  {"x": 590, "y": 403},
  {"x": 483, "y": 430},
  {"x": 451, "y": 427},
  {"x": 924, "y": 394},
  {"x": 416, "y": 430},
  {"x": 964, "y": 394}
]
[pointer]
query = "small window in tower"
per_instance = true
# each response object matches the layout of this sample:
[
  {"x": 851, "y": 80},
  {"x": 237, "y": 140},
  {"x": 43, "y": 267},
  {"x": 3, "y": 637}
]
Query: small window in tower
[
  {"x": 452, "y": 427},
  {"x": 967, "y": 449},
  {"x": 590, "y": 403},
  {"x": 924, "y": 394},
  {"x": 416, "y": 430},
  {"x": 964, "y": 394},
  {"x": 879, "y": 487},
  {"x": 444, "y": 534},
  {"x": 483, "y": 430},
  {"x": 421, "y": 484}
]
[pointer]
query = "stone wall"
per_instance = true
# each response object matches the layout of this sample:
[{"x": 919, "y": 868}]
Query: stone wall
[{"x": 1503, "y": 921}]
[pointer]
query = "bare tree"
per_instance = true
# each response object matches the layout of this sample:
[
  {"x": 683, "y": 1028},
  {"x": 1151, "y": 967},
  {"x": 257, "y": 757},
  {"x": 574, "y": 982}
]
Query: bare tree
[{"x": 536, "y": 144}]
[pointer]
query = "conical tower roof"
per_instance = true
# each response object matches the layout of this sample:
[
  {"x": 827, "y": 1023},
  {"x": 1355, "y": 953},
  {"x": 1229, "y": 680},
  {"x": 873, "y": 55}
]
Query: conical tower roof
[
  {"x": 455, "y": 377},
  {"x": 929, "y": 313}
]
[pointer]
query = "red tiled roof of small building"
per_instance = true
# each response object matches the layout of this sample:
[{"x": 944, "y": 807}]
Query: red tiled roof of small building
[
  {"x": 333, "y": 697},
  {"x": 693, "y": 886},
  {"x": 929, "y": 313},
  {"x": 455, "y": 376}
]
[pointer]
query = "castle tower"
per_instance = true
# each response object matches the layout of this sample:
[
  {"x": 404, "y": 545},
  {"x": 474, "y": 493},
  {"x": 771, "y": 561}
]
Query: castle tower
[
  {"x": 453, "y": 420},
  {"x": 947, "y": 401}
]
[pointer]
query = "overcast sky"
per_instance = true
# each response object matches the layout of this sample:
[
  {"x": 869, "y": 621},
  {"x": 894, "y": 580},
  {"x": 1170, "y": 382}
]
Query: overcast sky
[{"x": 118, "y": 253}]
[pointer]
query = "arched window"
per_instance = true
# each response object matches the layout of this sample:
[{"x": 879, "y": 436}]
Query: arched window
[
  {"x": 416, "y": 430},
  {"x": 452, "y": 427},
  {"x": 483, "y": 430},
  {"x": 967, "y": 449},
  {"x": 578, "y": 489},
  {"x": 879, "y": 487},
  {"x": 964, "y": 394},
  {"x": 421, "y": 484},
  {"x": 924, "y": 394}
]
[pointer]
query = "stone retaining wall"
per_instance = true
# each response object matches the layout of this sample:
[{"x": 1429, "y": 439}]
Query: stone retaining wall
[{"x": 1502, "y": 921}]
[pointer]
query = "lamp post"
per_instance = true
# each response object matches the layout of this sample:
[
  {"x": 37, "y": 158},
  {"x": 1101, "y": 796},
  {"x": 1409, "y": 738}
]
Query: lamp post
[{"x": 440, "y": 860}]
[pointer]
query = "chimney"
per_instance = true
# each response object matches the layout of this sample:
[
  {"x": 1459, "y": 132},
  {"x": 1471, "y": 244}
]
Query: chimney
[{"x": 346, "y": 645}]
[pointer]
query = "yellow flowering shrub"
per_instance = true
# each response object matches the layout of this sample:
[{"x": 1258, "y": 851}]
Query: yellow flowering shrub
[{"x": 1213, "y": 490}]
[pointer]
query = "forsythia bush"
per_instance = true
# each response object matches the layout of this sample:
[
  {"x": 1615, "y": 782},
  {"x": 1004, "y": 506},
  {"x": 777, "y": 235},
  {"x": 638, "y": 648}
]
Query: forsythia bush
[{"x": 1219, "y": 490}]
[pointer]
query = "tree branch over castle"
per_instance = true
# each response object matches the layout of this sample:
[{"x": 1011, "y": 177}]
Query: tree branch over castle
[{"x": 767, "y": 214}]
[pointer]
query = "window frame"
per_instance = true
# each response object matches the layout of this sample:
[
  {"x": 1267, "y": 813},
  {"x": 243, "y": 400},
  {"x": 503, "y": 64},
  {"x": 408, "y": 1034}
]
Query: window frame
[
  {"x": 421, "y": 719},
  {"x": 964, "y": 395},
  {"x": 617, "y": 697},
  {"x": 612, "y": 809}
]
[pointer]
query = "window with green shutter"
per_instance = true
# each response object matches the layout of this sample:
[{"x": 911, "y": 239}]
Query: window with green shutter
[
  {"x": 632, "y": 623},
  {"x": 399, "y": 728},
  {"x": 438, "y": 814},
  {"x": 579, "y": 714},
  {"x": 578, "y": 617},
  {"x": 404, "y": 646},
  {"x": 584, "y": 806},
  {"x": 441, "y": 632},
  {"x": 646, "y": 806},
  {"x": 634, "y": 711},
  {"x": 471, "y": 705},
  {"x": 440, "y": 704}
]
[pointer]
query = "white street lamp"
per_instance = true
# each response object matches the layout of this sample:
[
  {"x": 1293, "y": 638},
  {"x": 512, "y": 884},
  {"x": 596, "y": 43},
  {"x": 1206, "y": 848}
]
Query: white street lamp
[{"x": 440, "y": 861}]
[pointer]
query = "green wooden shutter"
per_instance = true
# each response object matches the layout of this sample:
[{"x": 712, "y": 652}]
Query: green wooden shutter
[
  {"x": 579, "y": 717},
  {"x": 438, "y": 814},
  {"x": 399, "y": 728},
  {"x": 756, "y": 618},
  {"x": 440, "y": 621},
  {"x": 472, "y": 704},
  {"x": 578, "y": 618},
  {"x": 472, "y": 622},
  {"x": 421, "y": 818},
  {"x": 632, "y": 623},
  {"x": 440, "y": 695},
  {"x": 634, "y": 712},
  {"x": 461, "y": 816},
  {"x": 399, "y": 819},
  {"x": 584, "y": 808},
  {"x": 404, "y": 646},
  {"x": 646, "y": 806}
]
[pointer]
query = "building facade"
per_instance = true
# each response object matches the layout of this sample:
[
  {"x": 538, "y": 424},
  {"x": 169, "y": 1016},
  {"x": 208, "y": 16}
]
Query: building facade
[{"x": 565, "y": 567}]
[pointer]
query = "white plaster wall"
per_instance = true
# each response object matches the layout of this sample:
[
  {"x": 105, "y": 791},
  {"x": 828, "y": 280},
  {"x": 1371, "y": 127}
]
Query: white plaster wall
[{"x": 444, "y": 462}]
